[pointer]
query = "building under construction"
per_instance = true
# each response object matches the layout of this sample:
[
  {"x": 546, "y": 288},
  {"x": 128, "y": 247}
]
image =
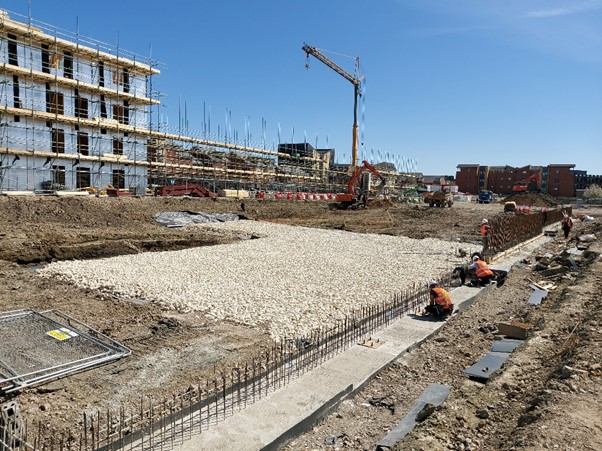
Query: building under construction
[{"x": 78, "y": 113}]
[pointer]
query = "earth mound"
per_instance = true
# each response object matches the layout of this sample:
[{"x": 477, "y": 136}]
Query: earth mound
[{"x": 532, "y": 199}]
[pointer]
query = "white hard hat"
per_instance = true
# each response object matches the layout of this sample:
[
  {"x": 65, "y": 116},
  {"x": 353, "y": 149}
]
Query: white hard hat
[
  {"x": 433, "y": 283},
  {"x": 475, "y": 258},
  {"x": 484, "y": 221}
]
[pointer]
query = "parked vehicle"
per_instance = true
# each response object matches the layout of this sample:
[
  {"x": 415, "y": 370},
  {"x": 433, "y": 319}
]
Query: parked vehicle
[{"x": 485, "y": 197}]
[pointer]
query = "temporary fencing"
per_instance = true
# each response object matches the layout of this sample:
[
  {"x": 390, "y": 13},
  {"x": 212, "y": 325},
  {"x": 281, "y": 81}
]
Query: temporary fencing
[
  {"x": 295, "y": 196},
  {"x": 162, "y": 423}
]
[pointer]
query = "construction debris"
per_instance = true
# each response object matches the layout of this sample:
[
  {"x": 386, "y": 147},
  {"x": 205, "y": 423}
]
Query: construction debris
[
  {"x": 537, "y": 296},
  {"x": 371, "y": 343},
  {"x": 514, "y": 330},
  {"x": 434, "y": 395}
]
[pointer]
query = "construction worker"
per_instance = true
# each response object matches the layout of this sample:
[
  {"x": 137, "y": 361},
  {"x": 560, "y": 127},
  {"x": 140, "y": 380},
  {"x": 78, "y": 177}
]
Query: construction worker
[
  {"x": 566, "y": 224},
  {"x": 484, "y": 227},
  {"x": 485, "y": 232},
  {"x": 481, "y": 270},
  {"x": 441, "y": 305}
]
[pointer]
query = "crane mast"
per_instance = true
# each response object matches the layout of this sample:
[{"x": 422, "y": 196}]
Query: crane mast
[{"x": 309, "y": 50}]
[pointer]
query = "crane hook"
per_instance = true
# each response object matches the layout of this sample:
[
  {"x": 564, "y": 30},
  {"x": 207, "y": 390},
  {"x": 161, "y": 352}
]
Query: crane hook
[{"x": 307, "y": 61}]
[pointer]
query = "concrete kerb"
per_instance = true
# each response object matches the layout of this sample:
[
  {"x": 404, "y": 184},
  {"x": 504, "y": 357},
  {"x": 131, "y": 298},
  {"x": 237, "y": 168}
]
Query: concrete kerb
[{"x": 277, "y": 419}]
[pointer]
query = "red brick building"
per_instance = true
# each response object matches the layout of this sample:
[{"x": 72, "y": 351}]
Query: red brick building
[
  {"x": 555, "y": 179},
  {"x": 467, "y": 178},
  {"x": 561, "y": 180}
]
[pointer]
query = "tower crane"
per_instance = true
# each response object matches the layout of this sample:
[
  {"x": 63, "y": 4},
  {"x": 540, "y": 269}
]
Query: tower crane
[{"x": 355, "y": 81}]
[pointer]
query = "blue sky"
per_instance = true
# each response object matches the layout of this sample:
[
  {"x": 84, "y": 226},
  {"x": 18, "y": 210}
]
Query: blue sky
[{"x": 447, "y": 81}]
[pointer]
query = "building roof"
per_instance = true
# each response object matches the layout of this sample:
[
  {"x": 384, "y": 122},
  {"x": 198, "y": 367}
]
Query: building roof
[{"x": 467, "y": 166}]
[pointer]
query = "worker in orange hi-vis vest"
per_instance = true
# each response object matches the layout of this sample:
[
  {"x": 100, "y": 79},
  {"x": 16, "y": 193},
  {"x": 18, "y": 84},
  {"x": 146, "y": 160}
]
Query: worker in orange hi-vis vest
[
  {"x": 482, "y": 271},
  {"x": 441, "y": 304}
]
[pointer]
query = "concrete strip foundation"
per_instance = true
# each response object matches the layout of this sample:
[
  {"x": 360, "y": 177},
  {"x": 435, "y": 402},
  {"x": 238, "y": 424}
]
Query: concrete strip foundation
[{"x": 284, "y": 414}]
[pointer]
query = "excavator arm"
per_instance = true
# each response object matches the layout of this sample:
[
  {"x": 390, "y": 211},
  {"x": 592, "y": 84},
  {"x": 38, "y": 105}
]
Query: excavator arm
[{"x": 358, "y": 173}]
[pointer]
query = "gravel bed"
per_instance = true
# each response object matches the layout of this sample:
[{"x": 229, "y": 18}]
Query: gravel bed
[{"x": 288, "y": 280}]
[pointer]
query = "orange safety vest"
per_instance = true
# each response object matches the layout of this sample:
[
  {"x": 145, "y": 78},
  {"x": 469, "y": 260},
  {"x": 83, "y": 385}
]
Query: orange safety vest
[
  {"x": 443, "y": 298},
  {"x": 482, "y": 270}
]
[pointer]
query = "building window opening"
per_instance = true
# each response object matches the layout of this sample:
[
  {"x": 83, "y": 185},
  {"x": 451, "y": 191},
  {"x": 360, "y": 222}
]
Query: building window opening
[
  {"x": 118, "y": 146},
  {"x": 13, "y": 57},
  {"x": 55, "y": 102},
  {"x": 83, "y": 179},
  {"x": 82, "y": 143},
  {"x": 101, "y": 74},
  {"x": 118, "y": 178},
  {"x": 81, "y": 106},
  {"x": 58, "y": 175},
  {"x": 16, "y": 92},
  {"x": 58, "y": 140},
  {"x": 126, "y": 81},
  {"x": 45, "y": 59},
  {"x": 68, "y": 65},
  {"x": 103, "y": 107},
  {"x": 121, "y": 114}
]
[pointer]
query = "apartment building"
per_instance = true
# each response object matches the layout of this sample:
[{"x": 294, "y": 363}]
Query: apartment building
[
  {"x": 77, "y": 113},
  {"x": 555, "y": 179},
  {"x": 73, "y": 115}
]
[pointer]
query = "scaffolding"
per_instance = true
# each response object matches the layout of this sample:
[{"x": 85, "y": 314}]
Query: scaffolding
[{"x": 79, "y": 113}]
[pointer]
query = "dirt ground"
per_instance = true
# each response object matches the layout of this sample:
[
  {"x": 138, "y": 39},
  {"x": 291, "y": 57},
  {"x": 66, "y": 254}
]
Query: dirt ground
[
  {"x": 547, "y": 395},
  {"x": 173, "y": 350}
]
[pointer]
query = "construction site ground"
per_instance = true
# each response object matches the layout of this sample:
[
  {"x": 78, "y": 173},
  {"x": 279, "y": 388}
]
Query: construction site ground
[{"x": 532, "y": 404}]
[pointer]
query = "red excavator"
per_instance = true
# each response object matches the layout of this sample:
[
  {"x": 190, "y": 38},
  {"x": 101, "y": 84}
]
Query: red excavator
[
  {"x": 532, "y": 183},
  {"x": 355, "y": 197}
]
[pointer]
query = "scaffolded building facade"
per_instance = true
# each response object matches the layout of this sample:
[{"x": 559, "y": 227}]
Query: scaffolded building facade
[
  {"x": 76, "y": 113},
  {"x": 73, "y": 116}
]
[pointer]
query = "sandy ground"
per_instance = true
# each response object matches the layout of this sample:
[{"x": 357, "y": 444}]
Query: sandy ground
[{"x": 171, "y": 350}]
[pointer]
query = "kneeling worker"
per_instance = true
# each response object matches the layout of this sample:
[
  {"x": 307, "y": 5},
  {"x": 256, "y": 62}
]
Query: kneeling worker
[
  {"x": 482, "y": 271},
  {"x": 441, "y": 304}
]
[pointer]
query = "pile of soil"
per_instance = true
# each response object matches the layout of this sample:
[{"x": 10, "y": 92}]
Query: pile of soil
[{"x": 532, "y": 199}]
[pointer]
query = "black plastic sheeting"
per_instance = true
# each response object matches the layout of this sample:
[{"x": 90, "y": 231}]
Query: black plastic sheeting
[
  {"x": 493, "y": 360},
  {"x": 506, "y": 345},
  {"x": 489, "y": 364},
  {"x": 184, "y": 218}
]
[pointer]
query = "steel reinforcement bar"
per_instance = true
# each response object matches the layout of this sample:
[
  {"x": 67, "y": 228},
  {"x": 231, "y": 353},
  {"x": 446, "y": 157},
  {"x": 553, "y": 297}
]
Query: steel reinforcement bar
[{"x": 162, "y": 423}]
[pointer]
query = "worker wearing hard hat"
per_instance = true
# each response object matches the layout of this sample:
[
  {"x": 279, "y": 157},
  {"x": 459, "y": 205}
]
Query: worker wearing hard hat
[
  {"x": 441, "y": 305},
  {"x": 481, "y": 270}
]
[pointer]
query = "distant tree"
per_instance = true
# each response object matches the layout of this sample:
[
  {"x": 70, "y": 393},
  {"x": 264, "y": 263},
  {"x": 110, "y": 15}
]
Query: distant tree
[{"x": 593, "y": 192}]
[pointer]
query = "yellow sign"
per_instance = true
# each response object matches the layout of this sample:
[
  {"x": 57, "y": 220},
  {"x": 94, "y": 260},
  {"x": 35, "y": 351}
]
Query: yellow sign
[{"x": 61, "y": 334}]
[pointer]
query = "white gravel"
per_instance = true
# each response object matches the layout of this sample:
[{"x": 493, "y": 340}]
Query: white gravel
[{"x": 289, "y": 281}]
